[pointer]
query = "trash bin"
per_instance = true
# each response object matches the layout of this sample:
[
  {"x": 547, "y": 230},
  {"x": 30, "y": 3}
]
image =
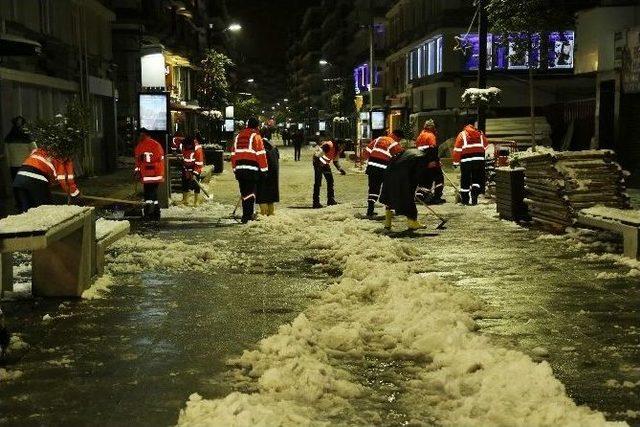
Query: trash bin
[{"x": 215, "y": 157}]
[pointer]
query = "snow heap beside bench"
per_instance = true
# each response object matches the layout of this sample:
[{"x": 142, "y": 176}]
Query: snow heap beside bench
[
  {"x": 107, "y": 232},
  {"x": 625, "y": 222},
  {"x": 559, "y": 184}
]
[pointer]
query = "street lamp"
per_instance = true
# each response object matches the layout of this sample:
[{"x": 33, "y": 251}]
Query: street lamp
[
  {"x": 323, "y": 62},
  {"x": 234, "y": 28},
  {"x": 250, "y": 80}
]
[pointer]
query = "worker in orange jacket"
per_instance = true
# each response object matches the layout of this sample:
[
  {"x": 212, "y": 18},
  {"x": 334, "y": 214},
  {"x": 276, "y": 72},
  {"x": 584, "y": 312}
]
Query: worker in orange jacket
[
  {"x": 41, "y": 170},
  {"x": 249, "y": 162},
  {"x": 327, "y": 152},
  {"x": 149, "y": 158},
  {"x": 469, "y": 153},
  {"x": 379, "y": 154},
  {"x": 427, "y": 142},
  {"x": 192, "y": 164}
]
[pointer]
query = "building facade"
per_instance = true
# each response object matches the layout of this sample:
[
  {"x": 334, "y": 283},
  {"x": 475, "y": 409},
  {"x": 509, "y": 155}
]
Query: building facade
[
  {"x": 75, "y": 61},
  {"x": 608, "y": 40}
]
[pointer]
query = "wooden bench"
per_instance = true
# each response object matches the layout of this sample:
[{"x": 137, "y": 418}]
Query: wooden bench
[
  {"x": 622, "y": 221},
  {"x": 518, "y": 129},
  {"x": 107, "y": 233},
  {"x": 62, "y": 239}
]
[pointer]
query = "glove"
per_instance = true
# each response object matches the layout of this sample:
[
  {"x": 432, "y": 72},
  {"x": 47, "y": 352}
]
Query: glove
[{"x": 343, "y": 172}]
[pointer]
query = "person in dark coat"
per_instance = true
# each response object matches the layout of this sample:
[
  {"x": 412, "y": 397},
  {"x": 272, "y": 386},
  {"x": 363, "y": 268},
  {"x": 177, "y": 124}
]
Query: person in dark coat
[
  {"x": 401, "y": 181},
  {"x": 268, "y": 186},
  {"x": 298, "y": 140}
]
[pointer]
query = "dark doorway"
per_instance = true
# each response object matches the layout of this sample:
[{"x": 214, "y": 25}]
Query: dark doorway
[{"x": 607, "y": 114}]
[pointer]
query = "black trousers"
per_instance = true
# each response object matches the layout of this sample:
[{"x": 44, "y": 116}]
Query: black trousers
[
  {"x": 35, "y": 194},
  {"x": 376, "y": 178},
  {"x": 472, "y": 181},
  {"x": 318, "y": 172},
  {"x": 435, "y": 182},
  {"x": 189, "y": 183},
  {"x": 297, "y": 149},
  {"x": 151, "y": 204},
  {"x": 248, "y": 188}
]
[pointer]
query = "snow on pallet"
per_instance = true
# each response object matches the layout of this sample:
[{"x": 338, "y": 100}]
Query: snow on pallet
[
  {"x": 623, "y": 221},
  {"x": 560, "y": 184}
]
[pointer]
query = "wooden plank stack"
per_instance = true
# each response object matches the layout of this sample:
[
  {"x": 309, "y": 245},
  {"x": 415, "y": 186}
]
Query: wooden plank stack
[
  {"x": 509, "y": 192},
  {"x": 559, "y": 184}
]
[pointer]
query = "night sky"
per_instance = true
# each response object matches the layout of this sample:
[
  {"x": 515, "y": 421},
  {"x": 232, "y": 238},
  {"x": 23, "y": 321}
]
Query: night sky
[{"x": 264, "y": 40}]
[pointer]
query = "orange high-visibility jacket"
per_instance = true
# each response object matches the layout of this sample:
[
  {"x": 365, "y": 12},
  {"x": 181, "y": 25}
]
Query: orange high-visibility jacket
[
  {"x": 328, "y": 153},
  {"x": 427, "y": 142},
  {"x": 248, "y": 152},
  {"x": 193, "y": 160},
  {"x": 470, "y": 145},
  {"x": 42, "y": 166},
  {"x": 149, "y": 157},
  {"x": 381, "y": 151}
]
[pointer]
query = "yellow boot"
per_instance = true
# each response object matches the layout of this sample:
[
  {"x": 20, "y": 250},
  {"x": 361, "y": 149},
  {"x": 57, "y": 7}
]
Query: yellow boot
[
  {"x": 197, "y": 200},
  {"x": 388, "y": 219},
  {"x": 271, "y": 209},
  {"x": 185, "y": 198},
  {"x": 264, "y": 209},
  {"x": 413, "y": 224}
]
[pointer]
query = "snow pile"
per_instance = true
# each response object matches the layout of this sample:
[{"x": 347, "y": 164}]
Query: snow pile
[
  {"x": 100, "y": 288},
  {"x": 105, "y": 227},
  {"x": 41, "y": 218},
  {"x": 136, "y": 253},
  {"x": 209, "y": 209},
  {"x": 17, "y": 344},
  {"x": 7, "y": 375},
  {"x": 382, "y": 310}
]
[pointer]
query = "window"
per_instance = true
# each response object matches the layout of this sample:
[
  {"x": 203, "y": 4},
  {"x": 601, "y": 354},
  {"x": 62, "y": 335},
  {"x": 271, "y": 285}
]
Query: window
[
  {"x": 425, "y": 60},
  {"x": 432, "y": 58}
]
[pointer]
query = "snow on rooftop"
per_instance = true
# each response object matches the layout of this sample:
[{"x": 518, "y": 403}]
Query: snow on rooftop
[{"x": 41, "y": 218}]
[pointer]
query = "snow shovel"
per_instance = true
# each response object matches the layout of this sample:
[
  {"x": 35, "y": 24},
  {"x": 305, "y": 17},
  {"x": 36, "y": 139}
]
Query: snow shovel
[
  {"x": 442, "y": 220},
  {"x": 233, "y": 214},
  {"x": 455, "y": 187},
  {"x": 202, "y": 188}
]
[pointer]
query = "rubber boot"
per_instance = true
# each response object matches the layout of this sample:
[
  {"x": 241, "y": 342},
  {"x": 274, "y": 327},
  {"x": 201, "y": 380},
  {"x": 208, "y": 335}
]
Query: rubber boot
[
  {"x": 271, "y": 209},
  {"x": 413, "y": 224},
  {"x": 388, "y": 219},
  {"x": 198, "y": 200},
  {"x": 264, "y": 209},
  {"x": 371, "y": 208},
  {"x": 185, "y": 198}
]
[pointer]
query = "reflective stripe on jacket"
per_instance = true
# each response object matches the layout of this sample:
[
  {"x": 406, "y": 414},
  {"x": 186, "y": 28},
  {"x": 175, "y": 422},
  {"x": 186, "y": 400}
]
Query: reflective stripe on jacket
[
  {"x": 381, "y": 151},
  {"x": 193, "y": 160},
  {"x": 149, "y": 157},
  {"x": 470, "y": 145},
  {"x": 248, "y": 152},
  {"x": 44, "y": 167}
]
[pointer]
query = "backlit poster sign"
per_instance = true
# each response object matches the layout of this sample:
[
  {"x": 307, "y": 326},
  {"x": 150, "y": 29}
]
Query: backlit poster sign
[
  {"x": 377, "y": 120},
  {"x": 153, "y": 112},
  {"x": 561, "y": 45}
]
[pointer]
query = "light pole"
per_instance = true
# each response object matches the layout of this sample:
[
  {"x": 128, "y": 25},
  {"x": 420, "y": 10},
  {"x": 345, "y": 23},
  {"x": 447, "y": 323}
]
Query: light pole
[{"x": 483, "y": 25}]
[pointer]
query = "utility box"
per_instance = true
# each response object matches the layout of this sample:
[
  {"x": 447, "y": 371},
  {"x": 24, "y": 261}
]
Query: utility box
[{"x": 510, "y": 194}]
